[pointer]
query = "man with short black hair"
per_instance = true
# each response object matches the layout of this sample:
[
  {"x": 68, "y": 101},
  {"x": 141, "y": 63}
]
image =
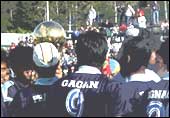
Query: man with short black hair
[
  {"x": 142, "y": 85},
  {"x": 87, "y": 92}
]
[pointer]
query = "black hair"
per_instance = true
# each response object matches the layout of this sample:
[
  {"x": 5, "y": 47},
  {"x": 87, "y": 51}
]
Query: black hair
[
  {"x": 21, "y": 57},
  {"x": 91, "y": 49},
  {"x": 4, "y": 57},
  {"x": 164, "y": 52},
  {"x": 46, "y": 72},
  {"x": 134, "y": 56}
]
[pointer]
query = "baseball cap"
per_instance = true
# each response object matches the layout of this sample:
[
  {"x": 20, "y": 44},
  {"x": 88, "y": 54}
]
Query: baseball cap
[{"x": 45, "y": 55}]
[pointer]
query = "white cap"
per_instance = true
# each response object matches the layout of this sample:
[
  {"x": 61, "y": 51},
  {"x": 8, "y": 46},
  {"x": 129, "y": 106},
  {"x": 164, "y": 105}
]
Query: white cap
[{"x": 45, "y": 55}]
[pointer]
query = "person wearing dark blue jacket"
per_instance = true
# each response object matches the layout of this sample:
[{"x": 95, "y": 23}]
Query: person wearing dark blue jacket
[{"x": 87, "y": 92}]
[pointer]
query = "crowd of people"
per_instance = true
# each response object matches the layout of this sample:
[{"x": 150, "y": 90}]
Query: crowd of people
[
  {"x": 126, "y": 12},
  {"x": 84, "y": 77}
]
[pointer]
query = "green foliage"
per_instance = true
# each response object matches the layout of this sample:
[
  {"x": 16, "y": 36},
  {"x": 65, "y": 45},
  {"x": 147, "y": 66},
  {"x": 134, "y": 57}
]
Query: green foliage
[
  {"x": 142, "y": 4},
  {"x": 19, "y": 30},
  {"x": 4, "y": 23},
  {"x": 26, "y": 15}
]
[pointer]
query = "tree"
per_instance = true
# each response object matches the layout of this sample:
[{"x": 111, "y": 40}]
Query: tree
[
  {"x": 17, "y": 16},
  {"x": 6, "y": 13},
  {"x": 26, "y": 16},
  {"x": 142, "y": 4}
]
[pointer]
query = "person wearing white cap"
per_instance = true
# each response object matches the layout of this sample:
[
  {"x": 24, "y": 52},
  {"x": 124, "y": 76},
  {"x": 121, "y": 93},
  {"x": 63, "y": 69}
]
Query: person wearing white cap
[
  {"x": 45, "y": 56},
  {"x": 53, "y": 32},
  {"x": 32, "y": 101}
]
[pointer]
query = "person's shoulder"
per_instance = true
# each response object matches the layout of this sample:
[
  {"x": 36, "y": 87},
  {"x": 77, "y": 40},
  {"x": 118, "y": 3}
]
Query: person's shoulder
[
  {"x": 152, "y": 74},
  {"x": 24, "y": 91},
  {"x": 21, "y": 97},
  {"x": 149, "y": 71},
  {"x": 112, "y": 86},
  {"x": 58, "y": 83},
  {"x": 9, "y": 84},
  {"x": 19, "y": 85},
  {"x": 134, "y": 86},
  {"x": 82, "y": 81},
  {"x": 164, "y": 82}
]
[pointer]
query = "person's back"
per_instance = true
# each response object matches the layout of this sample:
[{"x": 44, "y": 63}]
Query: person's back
[
  {"x": 158, "y": 95},
  {"x": 133, "y": 63},
  {"x": 32, "y": 100},
  {"x": 22, "y": 104},
  {"x": 82, "y": 94},
  {"x": 131, "y": 97},
  {"x": 158, "y": 99},
  {"x": 145, "y": 99},
  {"x": 86, "y": 92}
]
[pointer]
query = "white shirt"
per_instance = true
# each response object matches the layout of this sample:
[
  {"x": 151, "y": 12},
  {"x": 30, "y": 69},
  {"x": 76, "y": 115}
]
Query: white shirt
[
  {"x": 131, "y": 31},
  {"x": 88, "y": 70},
  {"x": 149, "y": 75},
  {"x": 142, "y": 21},
  {"x": 130, "y": 11},
  {"x": 92, "y": 13},
  {"x": 164, "y": 25}
]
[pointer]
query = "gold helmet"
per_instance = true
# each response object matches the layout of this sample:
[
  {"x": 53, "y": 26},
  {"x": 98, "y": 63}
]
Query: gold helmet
[{"x": 50, "y": 31}]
